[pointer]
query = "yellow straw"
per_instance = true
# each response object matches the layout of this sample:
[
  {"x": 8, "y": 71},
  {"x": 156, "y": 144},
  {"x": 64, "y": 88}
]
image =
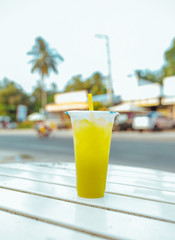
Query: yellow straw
[{"x": 91, "y": 107}]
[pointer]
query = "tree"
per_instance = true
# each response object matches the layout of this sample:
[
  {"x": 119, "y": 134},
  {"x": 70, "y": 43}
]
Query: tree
[
  {"x": 11, "y": 95},
  {"x": 94, "y": 84},
  {"x": 54, "y": 87},
  {"x": 97, "y": 82},
  {"x": 35, "y": 97},
  {"x": 151, "y": 76},
  {"x": 168, "y": 69},
  {"x": 75, "y": 84},
  {"x": 44, "y": 62},
  {"x": 51, "y": 93}
]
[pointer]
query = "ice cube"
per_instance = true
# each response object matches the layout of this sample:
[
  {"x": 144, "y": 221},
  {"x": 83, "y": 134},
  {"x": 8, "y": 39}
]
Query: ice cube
[
  {"x": 101, "y": 121},
  {"x": 76, "y": 123},
  {"x": 84, "y": 123}
]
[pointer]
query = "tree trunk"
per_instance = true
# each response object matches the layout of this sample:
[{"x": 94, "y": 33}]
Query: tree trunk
[
  {"x": 43, "y": 95},
  {"x": 161, "y": 94}
]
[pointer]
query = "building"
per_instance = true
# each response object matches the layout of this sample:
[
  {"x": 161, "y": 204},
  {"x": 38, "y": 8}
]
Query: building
[
  {"x": 168, "y": 99},
  {"x": 63, "y": 102},
  {"x": 104, "y": 99},
  {"x": 155, "y": 96}
]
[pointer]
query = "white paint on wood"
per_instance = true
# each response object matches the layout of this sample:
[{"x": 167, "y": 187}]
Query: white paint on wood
[
  {"x": 116, "y": 188},
  {"x": 146, "y": 183},
  {"x": 114, "y": 202},
  {"x": 98, "y": 221},
  {"x": 111, "y": 167},
  {"x": 15, "y": 227}
]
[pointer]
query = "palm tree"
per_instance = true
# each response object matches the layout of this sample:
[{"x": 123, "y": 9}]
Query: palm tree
[
  {"x": 45, "y": 61},
  {"x": 167, "y": 70}
]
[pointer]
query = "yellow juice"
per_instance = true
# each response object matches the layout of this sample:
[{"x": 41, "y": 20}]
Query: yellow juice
[{"x": 92, "y": 146}]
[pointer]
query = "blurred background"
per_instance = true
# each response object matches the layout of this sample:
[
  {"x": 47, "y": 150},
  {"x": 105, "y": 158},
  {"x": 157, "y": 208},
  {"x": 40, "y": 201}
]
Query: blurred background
[{"x": 53, "y": 53}]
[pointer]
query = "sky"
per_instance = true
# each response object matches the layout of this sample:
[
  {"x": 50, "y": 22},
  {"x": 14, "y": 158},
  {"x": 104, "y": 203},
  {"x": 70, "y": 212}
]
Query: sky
[{"x": 139, "y": 31}]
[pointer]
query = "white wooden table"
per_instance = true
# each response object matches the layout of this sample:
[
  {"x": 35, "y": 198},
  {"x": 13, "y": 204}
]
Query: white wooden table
[{"x": 39, "y": 202}]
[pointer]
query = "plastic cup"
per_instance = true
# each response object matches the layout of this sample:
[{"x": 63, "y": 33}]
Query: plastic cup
[{"x": 92, "y": 132}]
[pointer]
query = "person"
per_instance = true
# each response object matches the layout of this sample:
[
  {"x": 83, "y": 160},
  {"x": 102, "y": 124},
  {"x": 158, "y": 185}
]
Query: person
[
  {"x": 43, "y": 129},
  {"x": 4, "y": 124}
]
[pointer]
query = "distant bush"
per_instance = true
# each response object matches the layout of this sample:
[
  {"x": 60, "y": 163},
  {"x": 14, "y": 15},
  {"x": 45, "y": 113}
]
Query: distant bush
[
  {"x": 26, "y": 124},
  {"x": 99, "y": 106}
]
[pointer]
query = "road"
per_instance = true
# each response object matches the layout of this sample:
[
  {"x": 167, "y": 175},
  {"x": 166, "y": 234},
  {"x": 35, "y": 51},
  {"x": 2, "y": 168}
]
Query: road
[{"x": 126, "y": 149}]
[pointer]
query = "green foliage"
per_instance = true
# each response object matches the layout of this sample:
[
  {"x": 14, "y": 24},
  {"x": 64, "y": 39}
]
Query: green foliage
[
  {"x": 11, "y": 95},
  {"x": 168, "y": 69},
  {"x": 26, "y": 124},
  {"x": 76, "y": 83},
  {"x": 94, "y": 84},
  {"x": 35, "y": 98},
  {"x": 99, "y": 106},
  {"x": 151, "y": 76},
  {"x": 45, "y": 59},
  {"x": 51, "y": 93}
]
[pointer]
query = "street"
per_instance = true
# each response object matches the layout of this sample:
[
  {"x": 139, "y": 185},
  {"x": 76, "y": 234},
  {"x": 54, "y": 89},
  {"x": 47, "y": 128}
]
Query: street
[{"x": 149, "y": 150}]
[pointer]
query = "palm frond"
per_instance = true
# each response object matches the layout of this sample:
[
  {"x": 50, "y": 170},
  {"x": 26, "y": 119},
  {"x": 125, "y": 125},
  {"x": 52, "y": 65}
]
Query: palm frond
[
  {"x": 45, "y": 59},
  {"x": 56, "y": 55}
]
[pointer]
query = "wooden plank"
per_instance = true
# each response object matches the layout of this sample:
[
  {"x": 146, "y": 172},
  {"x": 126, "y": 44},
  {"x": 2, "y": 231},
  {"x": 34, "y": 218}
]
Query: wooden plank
[
  {"x": 111, "y": 168},
  {"x": 22, "y": 228},
  {"x": 134, "y": 206},
  {"x": 165, "y": 186},
  {"x": 156, "y": 177},
  {"x": 146, "y": 171},
  {"x": 140, "y": 192},
  {"x": 125, "y": 190},
  {"x": 71, "y": 165},
  {"x": 35, "y": 168},
  {"x": 97, "y": 221},
  {"x": 146, "y": 183},
  {"x": 112, "y": 171},
  {"x": 39, "y": 176}
]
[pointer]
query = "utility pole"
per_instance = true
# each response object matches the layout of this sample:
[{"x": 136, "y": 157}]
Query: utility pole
[{"x": 109, "y": 76}]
